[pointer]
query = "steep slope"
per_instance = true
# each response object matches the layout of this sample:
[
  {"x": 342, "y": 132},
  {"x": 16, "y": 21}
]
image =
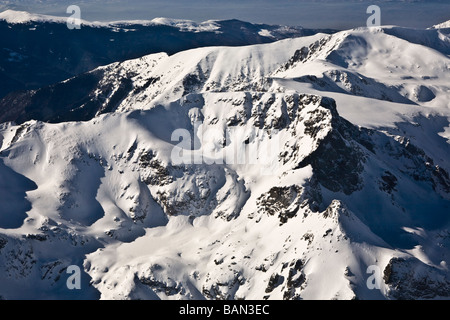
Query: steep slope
[{"x": 228, "y": 173}]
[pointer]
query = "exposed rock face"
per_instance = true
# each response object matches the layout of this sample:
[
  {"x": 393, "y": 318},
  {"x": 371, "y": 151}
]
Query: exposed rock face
[
  {"x": 211, "y": 174},
  {"x": 274, "y": 281},
  {"x": 296, "y": 278},
  {"x": 316, "y": 137},
  {"x": 153, "y": 171},
  {"x": 411, "y": 279},
  {"x": 169, "y": 288},
  {"x": 285, "y": 202},
  {"x": 3, "y": 243},
  {"x": 306, "y": 53}
]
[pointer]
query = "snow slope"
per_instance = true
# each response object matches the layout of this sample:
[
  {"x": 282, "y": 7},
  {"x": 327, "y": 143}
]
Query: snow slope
[{"x": 336, "y": 160}]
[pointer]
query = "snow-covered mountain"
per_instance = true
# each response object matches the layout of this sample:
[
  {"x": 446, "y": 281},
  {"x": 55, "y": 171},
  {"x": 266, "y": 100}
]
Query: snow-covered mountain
[
  {"x": 38, "y": 50},
  {"x": 159, "y": 78},
  {"x": 442, "y": 25},
  {"x": 22, "y": 17},
  {"x": 312, "y": 160}
]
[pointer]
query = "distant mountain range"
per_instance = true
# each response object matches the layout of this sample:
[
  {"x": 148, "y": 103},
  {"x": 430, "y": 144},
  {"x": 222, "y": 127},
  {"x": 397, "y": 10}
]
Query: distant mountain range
[{"x": 38, "y": 50}]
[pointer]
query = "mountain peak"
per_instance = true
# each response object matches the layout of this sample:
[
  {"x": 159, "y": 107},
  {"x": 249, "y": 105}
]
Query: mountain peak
[
  {"x": 15, "y": 17},
  {"x": 186, "y": 25},
  {"x": 442, "y": 25}
]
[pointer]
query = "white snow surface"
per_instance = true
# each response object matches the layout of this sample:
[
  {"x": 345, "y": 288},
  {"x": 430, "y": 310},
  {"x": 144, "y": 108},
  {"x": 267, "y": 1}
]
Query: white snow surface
[
  {"x": 106, "y": 195},
  {"x": 19, "y": 17},
  {"x": 442, "y": 25}
]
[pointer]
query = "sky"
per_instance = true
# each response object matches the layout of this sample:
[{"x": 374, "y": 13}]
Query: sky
[{"x": 336, "y": 14}]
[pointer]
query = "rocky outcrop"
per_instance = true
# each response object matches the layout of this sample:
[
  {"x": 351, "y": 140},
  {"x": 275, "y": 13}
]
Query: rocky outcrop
[
  {"x": 411, "y": 279},
  {"x": 285, "y": 202}
]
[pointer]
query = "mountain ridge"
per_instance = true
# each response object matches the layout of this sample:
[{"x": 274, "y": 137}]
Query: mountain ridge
[
  {"x": 285, "y": 170},
  {"x": 40, "y": 53},
  {"x": 142, "y": 89},
  {"x": 21, "y": 17}
]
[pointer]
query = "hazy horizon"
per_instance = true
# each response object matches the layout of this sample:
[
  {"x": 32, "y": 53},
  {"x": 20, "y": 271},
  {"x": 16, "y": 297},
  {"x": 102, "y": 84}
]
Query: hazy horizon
[{"x": 309, "y": 14}]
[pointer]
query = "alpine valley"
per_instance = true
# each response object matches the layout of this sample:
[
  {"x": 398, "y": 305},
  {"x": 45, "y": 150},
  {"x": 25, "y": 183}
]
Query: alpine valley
[{"x": 353, "y": 203}]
